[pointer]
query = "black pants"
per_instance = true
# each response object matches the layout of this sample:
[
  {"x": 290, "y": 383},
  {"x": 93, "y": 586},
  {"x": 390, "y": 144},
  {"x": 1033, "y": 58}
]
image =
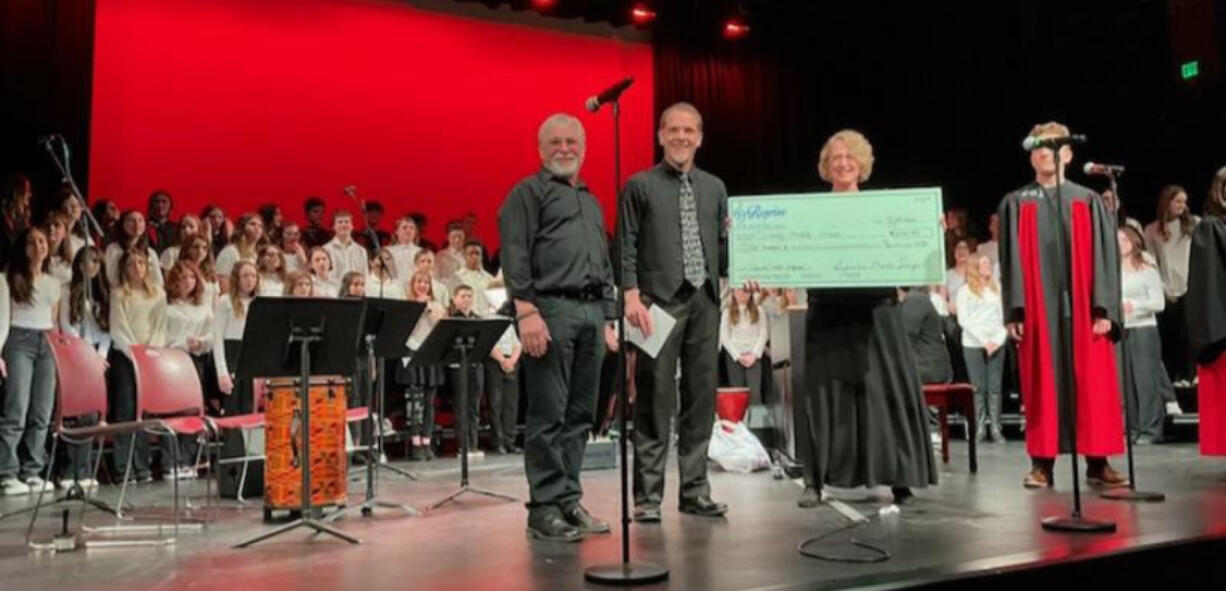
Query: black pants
[
  {"x": 693, "y": 342},
  {"x": 121, "y": 390},
  {"x": 502, "y": 392},
  {"x": 1173, "y": 329},
  {"x": 561, "y": 387},
  {"x": 242, "y": 399},
  {"x": 475, "y": 388}
]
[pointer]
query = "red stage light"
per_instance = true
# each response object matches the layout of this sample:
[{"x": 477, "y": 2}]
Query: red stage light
[
  {"x": 544, "y": 4},
  {"x": 735, "y": 28},
  {"x": 642, "y": 14}
]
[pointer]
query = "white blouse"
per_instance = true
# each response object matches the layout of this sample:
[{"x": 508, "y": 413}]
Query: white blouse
[
  {"x": 1143, "y": 289},
  {"x": 403, "y": 255},
  {"x": 271, "y": 286},
  {"x": 981, "y": 317},
  {"x": 230, "y": 327},
  {"x": 86, "y": 328},
  {"x": 392, "y": 288},
  {"x": 39, "y": 312},
  {"x": 745, "y": 336},
  {"x": 111, "y": 261},
  {"x": 228, "y": 257}
]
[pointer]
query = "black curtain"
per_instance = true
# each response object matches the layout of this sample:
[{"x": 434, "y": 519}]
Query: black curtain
[
  {"x": 944, "y": 91},
  {"x": 46, "y": 78}
]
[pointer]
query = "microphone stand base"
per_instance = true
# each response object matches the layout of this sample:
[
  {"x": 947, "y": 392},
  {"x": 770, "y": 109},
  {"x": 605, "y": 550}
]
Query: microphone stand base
[
  {"x": 1078, "y": 525},
  {"x": 1128, "y": 494},
  {"x": 625, "y": 574}
]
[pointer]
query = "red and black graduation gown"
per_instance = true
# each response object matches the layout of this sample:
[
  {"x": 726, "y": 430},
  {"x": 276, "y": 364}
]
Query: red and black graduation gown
[
  {"x": 1206, "y": 318},
  {"x": 1033, "y": 269}
]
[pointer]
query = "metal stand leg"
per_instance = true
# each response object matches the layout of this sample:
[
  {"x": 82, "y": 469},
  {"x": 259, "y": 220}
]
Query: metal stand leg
[
  {"x": 462, "y": 412},
  {"x": 304, "y": 338}
]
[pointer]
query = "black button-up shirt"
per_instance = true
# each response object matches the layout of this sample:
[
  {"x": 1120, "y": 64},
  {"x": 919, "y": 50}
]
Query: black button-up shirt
[{"x": 553, "y": 241}]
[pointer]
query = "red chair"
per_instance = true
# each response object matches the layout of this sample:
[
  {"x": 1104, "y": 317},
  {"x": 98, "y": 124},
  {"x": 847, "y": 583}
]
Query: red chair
[
  {"x": 81, "y": 392},
  {"x": 170, "y": 400},
  {"x": 959, "y": 395},
  {"x": 244, "y": 422}
]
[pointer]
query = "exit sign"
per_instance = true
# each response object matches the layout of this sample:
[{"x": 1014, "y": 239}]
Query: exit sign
[{"x": 1190, "y": 70}]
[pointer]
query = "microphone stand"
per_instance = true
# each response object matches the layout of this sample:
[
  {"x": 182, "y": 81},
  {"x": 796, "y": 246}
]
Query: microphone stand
[
  {"x": 86, "y": 222},
  {"x": 376, "y": 387},
  {"x": 624, "y": 573},
  {"x": 1074, "y": 523},
  {"x": 1131, "y": 493}
]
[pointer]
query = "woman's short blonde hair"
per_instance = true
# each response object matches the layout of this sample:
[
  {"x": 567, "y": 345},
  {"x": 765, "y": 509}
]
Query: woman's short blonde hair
[{"x": 859, "y": 147}]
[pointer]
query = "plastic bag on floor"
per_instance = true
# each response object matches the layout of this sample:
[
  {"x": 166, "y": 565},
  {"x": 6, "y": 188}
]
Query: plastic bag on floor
[{"x": 734, "y": 449}]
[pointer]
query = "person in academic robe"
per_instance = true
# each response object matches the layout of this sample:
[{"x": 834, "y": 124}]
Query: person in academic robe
[
  {"x": 1034, "y": 259},
  {"x": 863, "y": 404},
  {"x": 1206, "y": 317}
]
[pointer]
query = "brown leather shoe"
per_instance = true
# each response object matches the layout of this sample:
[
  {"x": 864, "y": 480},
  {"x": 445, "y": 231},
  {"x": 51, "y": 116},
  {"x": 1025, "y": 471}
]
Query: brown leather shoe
[
  {"x": 1038, "y": 478},
  {"x": 1104, "y": 476}
]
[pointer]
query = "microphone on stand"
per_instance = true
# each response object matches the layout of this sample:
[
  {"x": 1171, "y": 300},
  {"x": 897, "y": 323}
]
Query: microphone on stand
[
  {"x": 1095, "y": 168},
  {"x": 1032, "y": 143},
  {"x": 608, "y": 95}
]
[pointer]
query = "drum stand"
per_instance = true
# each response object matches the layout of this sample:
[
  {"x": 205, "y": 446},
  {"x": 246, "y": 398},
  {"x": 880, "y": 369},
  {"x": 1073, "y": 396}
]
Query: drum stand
[{"x": 304, "y": 336}]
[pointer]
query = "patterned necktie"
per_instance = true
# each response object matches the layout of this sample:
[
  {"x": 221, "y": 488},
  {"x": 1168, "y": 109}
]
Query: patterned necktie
[{"x": 691, "y": 243}]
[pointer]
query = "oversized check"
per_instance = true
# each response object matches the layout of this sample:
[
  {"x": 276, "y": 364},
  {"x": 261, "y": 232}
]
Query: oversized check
[{"x": 865, "y": 239}]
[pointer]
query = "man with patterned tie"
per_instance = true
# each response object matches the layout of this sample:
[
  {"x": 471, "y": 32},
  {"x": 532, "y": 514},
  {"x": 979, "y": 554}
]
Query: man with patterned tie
[{"x": 672, "y": 231}]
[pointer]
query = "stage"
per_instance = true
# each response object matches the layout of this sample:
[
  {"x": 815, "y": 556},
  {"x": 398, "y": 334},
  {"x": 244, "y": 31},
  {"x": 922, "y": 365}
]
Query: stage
[{"x": 968, "y": 527}]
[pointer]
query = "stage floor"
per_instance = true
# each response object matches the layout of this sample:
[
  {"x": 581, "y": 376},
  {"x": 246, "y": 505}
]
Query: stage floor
[{"x": 967, "y": 524}]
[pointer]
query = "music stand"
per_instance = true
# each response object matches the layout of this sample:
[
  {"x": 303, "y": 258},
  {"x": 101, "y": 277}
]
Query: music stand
[
  {"x": 292, "y": 337},
  {"x": 386, "y": 330},
  {"x": 455, "y": 341}
]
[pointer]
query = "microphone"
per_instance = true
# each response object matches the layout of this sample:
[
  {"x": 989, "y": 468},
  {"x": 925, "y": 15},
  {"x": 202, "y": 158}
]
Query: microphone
[
  {"x": 608, "y": 95},
  {"x": 1103, "y": 169},
  {"x": 1032, "y": 143}
]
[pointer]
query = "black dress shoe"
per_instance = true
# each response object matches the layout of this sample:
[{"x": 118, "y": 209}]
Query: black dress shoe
[
  {"x": 703, "y": 506},
  {"x": 647, "y": 513},
  {"x": 577, "y": 516},
  {"x": 551, "y": 527},
  {"x": 812, "y": 497},
  {"x": 902, "y": 495}
]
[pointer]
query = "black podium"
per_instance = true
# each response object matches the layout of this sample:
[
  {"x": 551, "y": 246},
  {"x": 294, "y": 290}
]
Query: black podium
[
  {"x": 295, "y": 337},
  {"x": 385, "y": 331},
  {"x": 459, "y": 341}
]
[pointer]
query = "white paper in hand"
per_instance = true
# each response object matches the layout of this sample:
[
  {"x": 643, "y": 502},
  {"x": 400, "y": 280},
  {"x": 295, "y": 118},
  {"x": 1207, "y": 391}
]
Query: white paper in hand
[{"x": 662, "y": 325}]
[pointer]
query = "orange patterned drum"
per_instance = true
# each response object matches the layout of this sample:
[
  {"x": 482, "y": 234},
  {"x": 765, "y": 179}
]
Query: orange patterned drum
[{"x": 283, "y": 443}]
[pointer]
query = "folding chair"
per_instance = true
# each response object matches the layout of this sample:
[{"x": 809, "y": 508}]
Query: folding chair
[
  {"x": 245, "y": 422},
  {"x": 169, "y": 401},
  {"x": 81, "y": 392}
]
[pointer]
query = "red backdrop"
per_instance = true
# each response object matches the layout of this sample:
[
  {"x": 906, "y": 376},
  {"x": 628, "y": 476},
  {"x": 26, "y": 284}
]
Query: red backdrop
[{"x": 237, "y": 103}]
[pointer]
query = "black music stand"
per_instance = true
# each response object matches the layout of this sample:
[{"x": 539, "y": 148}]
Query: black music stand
[
  {"x": 386, "y": 330},
  {"x": 293, "y": 337},
  {"x": 456, "y": 341}
]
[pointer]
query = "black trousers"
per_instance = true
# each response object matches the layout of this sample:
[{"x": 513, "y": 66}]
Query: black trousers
[
  {"x": 502, "y": 392},
  {"x": 694, "y": 343},
  {"x": 1172, "y": 326},
  {"x": 121, "y": 391},
  {"x": 475, "y": 388},
  {"x": 561, "y": 387}
]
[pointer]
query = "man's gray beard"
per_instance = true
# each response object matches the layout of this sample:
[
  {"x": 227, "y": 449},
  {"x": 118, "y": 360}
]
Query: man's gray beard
[{"x": 563, "y": 171}]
